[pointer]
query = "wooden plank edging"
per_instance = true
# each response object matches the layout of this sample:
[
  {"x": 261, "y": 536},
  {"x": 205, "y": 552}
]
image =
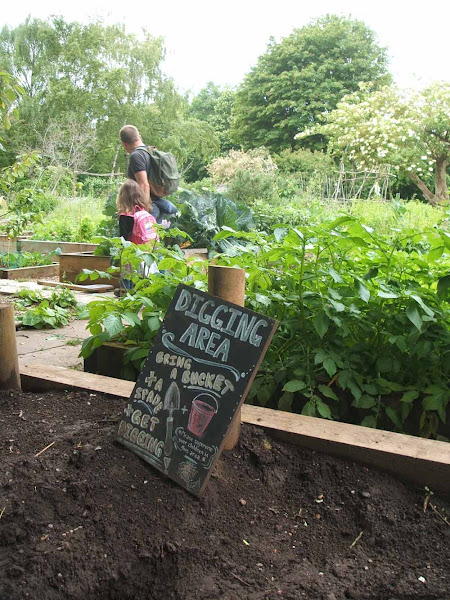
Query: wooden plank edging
[
  {"x": 36, "y": 271},
  {"x": 422, "y": 461}
]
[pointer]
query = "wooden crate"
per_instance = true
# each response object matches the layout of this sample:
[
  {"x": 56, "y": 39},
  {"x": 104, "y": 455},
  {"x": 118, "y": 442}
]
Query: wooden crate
[{"x": 73, "y": 263}]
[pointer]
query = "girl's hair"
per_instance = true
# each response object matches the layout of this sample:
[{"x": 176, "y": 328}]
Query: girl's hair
[{"x": 131, "y": 195}]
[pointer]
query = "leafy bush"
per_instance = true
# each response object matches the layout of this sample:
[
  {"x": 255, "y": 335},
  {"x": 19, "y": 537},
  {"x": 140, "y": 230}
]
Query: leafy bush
[
  {"x": 45, "y": 202},
  {"x": 99, "y": 187},
  {"x": 382, "y": 216},
  {"x": 54, "y": 230},
  {"x": 87, "y": 230},
  {"x": 73, "y": 220},
  {"x": 364, "y": 331},
  {"x": 136, "y": 317},
  {"x": 248, "y": 187},
  {"x": 304, "y": 161}
]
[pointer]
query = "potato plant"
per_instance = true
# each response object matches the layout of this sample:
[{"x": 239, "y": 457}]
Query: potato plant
[{"x": 364, "y": 331}]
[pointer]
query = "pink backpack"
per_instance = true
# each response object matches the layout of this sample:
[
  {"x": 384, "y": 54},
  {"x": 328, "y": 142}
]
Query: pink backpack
[{"x": 143, "y": 231}]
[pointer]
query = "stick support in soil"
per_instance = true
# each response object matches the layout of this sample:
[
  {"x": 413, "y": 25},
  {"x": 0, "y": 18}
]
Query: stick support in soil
[
  {"x": 9, "y": 362},
  {"x": 228, "y": 283}
]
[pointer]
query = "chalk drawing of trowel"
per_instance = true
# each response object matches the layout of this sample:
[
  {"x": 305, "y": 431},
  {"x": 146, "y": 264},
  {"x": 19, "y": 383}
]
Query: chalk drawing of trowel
[{"x": 171, "y": 403}]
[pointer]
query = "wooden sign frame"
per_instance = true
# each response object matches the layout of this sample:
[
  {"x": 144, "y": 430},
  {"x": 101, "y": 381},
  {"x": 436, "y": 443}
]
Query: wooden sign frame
[{"x": 196, "y": 377}]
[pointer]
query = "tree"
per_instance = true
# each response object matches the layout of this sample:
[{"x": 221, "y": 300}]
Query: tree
[
  {"x": 409, "y": 130},
  {"x": 215, "y": 106},
  {"x": 194, "y": 143},
  {"x": 20, "y": 207},
  {"x": 203, "y": 104},
  {"x": 10, "y": 91},
  {"x": 98, "y": 76},
  {"x": 302, "y": 76}
]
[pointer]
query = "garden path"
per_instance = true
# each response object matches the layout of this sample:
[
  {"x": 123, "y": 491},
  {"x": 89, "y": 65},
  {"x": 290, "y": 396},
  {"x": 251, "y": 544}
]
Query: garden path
[{"x": 59, "y": 347}]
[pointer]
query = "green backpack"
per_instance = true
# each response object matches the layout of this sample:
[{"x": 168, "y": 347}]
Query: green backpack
[{"x": 163, "y": 176}]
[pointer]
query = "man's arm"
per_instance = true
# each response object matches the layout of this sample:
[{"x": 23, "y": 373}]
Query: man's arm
[{"x": 141, "y": 178}]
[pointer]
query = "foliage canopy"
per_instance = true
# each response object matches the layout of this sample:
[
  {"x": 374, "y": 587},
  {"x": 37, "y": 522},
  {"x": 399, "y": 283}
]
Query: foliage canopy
[
  {"x": 409, "y": 130},
  {"x": 305, "y": 74}
]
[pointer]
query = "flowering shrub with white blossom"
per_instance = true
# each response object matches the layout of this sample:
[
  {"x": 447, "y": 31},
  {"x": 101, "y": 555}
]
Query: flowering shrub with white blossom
[
  {"x": 409, "y": 130},
  {"x": 224, "y": 168}
]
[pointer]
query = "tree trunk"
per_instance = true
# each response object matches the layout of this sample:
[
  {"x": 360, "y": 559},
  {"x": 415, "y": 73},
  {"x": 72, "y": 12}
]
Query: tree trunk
[
  {"x": 115, "y": 160},
  {"x": 432, "y": 198},
  {"x": 440, "y": 185}
]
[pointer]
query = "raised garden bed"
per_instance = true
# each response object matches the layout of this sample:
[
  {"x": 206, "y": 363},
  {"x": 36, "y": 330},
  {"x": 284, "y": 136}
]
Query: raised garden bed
[
  {"x": 48, "y": 246},
  {"x": 30, "y": 272},
  {"x": 85, "y": 518},
  {"x": 11, "y": 244},
  {"x": 73, "y": 263}
]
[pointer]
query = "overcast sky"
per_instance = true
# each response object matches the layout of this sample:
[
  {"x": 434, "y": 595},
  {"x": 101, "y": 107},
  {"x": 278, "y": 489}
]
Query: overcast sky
[{"x": 220, "y": 42}]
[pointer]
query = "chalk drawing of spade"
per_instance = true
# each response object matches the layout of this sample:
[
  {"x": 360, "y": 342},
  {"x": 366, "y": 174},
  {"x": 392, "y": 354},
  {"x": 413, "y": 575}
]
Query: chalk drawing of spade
[{"x": 171, "y": 403}]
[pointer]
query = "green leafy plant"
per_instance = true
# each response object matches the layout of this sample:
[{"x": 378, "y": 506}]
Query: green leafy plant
[
  {"x": 56, "y": 311},
  {"x": 43, "y": 315},
  {"x": 364, "y": 332},
  {"x": 17, "y": 260},
  {"x": 135, "y": 318},
  {"x": 203, "y": 215},
  {"x": 364, "y": 323}
]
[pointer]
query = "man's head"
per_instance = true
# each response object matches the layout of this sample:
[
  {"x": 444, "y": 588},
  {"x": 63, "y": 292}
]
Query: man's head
[{"x": 130, "y": 137}]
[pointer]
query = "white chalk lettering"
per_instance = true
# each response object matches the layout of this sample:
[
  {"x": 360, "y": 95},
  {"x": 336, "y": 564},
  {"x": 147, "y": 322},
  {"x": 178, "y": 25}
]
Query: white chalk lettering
[
  {"x": 205, "y": 319},
  {"x": 208, "y": 381},
  {"x": 150, "y": 380},
  {"x": 234, "y": 314},
  {"x": 183, "y": 301},
  {"x": 244, "y": 328},
  {"x": 189, "y": 336},
  {"x": 215, "y": 322},
  {"x": 239, "y": 324},
  {"x": 191, "y": 311},
  {"x": 141, "y": 438}
]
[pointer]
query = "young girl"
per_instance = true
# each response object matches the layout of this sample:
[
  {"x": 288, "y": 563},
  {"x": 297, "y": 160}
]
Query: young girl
[
  {"x": 135, "y": 221},
  {"x": 131, "y": 198}
]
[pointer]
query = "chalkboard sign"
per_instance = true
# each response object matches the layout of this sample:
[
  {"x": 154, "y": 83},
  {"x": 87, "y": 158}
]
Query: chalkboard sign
[{"x": 197, "y": 374}]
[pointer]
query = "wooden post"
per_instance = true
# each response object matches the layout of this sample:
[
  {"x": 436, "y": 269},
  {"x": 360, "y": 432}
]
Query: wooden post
[
  {"x": 228, "y": 283},
  {"x": 9, "y": 362}
]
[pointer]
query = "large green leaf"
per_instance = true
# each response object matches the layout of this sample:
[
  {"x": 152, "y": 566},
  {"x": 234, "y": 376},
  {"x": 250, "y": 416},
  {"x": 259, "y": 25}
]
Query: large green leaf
[
  {"x": 294, "y": 385},
  {"x": 321, "y": 323},
  {"x": 413, "y": 315}
]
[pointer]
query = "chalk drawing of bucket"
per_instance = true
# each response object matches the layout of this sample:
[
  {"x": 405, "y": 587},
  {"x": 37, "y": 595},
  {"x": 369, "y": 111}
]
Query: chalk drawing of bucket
[{"x": 202, "y": 411}]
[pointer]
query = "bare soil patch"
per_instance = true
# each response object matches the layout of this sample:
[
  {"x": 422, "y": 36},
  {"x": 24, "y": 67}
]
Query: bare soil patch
[{"x": 89, "y": 519}]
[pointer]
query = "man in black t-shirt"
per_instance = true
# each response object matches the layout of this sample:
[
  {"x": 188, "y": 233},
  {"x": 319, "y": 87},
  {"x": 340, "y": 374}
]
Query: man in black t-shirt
[{"x": 139, "y": 169}]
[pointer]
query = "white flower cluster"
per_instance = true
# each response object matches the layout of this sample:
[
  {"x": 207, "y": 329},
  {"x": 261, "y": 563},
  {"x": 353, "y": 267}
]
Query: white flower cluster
[{"x": 224, "y": 168}]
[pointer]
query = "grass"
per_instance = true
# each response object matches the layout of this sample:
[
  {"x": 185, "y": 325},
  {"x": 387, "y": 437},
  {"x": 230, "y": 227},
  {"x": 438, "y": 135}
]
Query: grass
[
  {"x": 78, "y": 208},
  {"x": 74, "y": 219},
  {"x": 381, "y": 215}
]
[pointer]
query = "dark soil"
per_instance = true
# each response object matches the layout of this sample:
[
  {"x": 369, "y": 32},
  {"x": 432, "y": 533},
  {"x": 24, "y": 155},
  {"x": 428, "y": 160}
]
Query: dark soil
[{"x": 87, "y": 519}]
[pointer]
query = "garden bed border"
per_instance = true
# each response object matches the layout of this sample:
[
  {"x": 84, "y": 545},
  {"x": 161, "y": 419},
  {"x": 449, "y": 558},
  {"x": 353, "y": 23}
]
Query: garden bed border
[
  {"x": 422, "y": 461},
  {"x": 51, "y": 270}
]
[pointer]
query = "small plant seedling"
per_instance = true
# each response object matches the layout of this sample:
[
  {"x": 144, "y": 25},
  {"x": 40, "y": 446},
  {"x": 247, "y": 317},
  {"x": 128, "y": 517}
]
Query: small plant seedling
[{"x": 74, "y": 342}]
